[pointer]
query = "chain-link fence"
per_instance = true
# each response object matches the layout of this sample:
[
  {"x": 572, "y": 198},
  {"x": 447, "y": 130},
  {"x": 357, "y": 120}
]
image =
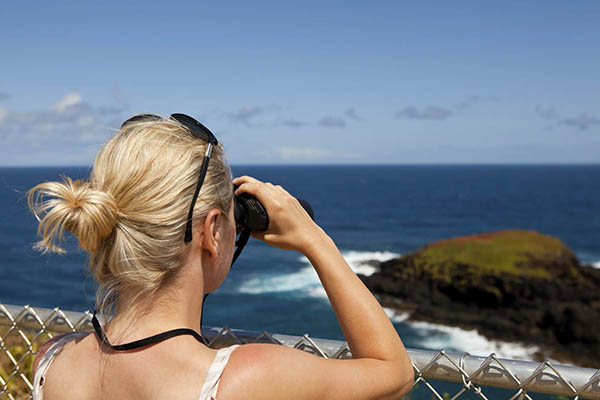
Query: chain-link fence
[{"x": 439, "y": 374}]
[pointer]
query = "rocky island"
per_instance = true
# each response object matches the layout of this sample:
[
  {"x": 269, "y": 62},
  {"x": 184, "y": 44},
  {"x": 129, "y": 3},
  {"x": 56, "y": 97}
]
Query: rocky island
[{"x": 512, "y": 285}]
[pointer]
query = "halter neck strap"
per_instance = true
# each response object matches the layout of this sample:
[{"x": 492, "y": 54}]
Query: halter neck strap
[{"x": 143, "y": 342}]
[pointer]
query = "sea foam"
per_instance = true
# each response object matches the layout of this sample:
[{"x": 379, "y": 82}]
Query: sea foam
[
  {"x": 307, "y": 280},
  {"x": 435, "y": 337}
]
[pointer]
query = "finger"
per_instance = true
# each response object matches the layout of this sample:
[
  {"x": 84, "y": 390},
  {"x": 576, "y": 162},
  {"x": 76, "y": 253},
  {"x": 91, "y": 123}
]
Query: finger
[
  {"x": 244, "y": 179},
  {"x": 280, "y": 189},
  {"x": 251, "y": 187},
  {"x": 258, "y": 235},
  {"x": 260, "y": 190}
]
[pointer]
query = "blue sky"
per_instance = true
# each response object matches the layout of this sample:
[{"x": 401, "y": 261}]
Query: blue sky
[{"x": 307, "y": 82}]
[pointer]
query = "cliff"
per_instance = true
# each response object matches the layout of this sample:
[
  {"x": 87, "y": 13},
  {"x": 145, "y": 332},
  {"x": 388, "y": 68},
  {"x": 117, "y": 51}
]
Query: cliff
[{"x": 512, "y": 285}]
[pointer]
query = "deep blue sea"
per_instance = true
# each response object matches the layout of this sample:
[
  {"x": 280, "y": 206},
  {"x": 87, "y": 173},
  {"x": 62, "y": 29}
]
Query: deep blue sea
[{"x": 372, "y": 212}]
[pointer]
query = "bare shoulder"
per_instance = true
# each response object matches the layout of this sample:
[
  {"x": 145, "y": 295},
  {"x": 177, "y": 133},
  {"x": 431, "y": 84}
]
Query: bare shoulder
[
  {"x": 258, "y": 371},
  {"x": 73, "y": 373},
  {"x": 46, "y": 346},
  {"x": 272, "y": 371}
]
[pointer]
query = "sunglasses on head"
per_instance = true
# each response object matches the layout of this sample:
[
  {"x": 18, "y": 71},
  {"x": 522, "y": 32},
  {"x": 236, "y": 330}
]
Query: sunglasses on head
[{"x": 197, "y": 130}]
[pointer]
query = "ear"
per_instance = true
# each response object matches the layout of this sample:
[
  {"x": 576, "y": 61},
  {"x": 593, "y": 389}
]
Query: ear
[{"x": 211, "y": 234}]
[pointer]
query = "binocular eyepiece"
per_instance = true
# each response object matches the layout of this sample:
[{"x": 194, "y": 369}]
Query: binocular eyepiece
[{"x": 251, "y": 214}]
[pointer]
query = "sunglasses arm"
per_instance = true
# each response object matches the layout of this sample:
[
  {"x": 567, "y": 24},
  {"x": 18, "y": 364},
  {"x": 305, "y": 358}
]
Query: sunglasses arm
[{"x": 188, "y": 227}]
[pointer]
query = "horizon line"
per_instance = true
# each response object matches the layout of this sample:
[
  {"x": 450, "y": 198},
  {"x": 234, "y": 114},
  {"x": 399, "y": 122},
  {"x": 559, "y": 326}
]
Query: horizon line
[{"x": 444, "y": 164}]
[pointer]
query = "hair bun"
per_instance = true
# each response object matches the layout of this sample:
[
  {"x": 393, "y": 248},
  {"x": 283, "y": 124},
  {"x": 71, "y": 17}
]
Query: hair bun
[
  {"x": 93, "y": 214},
  {"x": 89, "y": 214}
]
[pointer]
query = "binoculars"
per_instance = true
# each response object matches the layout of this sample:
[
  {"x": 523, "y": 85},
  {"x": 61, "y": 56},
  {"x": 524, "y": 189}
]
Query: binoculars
[{"x": 251, "y": 215}]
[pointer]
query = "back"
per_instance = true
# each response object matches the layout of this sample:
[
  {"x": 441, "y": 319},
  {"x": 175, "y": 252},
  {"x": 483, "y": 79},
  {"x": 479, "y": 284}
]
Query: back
[{"x": 75, "y": 367}]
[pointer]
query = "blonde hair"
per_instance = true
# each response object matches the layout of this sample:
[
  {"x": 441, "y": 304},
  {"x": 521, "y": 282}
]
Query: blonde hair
[{"x": 130, "y": 216}]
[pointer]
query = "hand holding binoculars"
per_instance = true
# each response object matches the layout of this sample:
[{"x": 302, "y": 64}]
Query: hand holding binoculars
[{"x": 251, "y": 214}]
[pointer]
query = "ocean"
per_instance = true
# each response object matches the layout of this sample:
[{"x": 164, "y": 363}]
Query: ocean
[{"x": 372, "y": 213}]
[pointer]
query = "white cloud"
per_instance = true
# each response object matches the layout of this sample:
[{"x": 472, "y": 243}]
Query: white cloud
[
  {"x": 303, "y": 153},
  {"x": 85, "y": 121},
  {"x": 291, "y": 153},
  {"x": 430, "y": 113},
  {"x": 69, "y": 100},
  {"x": 63, "y": 131}
]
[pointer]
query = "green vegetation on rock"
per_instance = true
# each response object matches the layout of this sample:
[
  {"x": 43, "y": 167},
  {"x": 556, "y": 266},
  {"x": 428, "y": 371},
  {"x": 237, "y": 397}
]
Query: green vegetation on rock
[{"x": 512, "y": 252}]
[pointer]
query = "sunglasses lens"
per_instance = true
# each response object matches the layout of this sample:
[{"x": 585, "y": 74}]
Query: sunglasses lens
[
  {"x": 140, "y": 118},
  {"x": 195, "y": 127}
]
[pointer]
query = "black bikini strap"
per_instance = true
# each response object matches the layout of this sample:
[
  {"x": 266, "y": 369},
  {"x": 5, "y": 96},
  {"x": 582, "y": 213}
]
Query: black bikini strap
[
  {"x": 143, "y": 342},
  {"x": 240, "y": 244}
]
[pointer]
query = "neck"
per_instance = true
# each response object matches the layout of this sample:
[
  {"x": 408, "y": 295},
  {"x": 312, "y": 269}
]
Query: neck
[{"x": 176, "y": 305}]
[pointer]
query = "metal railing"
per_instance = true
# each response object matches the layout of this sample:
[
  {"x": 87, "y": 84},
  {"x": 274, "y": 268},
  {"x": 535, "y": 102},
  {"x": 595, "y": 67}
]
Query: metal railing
[{"x": 24, "y": 329}]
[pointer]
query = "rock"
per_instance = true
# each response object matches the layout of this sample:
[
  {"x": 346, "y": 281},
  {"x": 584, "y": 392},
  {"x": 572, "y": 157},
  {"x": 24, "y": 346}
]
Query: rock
[{"x": 513, "y": 285}]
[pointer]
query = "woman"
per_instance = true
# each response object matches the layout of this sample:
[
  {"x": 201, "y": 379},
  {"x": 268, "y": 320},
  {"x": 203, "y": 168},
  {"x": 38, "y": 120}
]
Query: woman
[{"x": 156, "y": 218}]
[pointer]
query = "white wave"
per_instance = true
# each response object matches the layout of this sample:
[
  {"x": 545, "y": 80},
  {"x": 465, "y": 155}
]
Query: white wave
[
  {"x": 303, "y": 279},
  {"x": 596, "y": 264},
  {"x": 307, "y": 280},
  {"x": 396, "y": 316},
  {"x": 436, "y": 337},
  {"x": 316, "y": 291},
  {"x": 360, "y": 261}
]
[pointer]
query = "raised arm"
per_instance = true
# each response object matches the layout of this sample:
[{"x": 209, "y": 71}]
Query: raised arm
[{"x": 380, "y": 367}]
